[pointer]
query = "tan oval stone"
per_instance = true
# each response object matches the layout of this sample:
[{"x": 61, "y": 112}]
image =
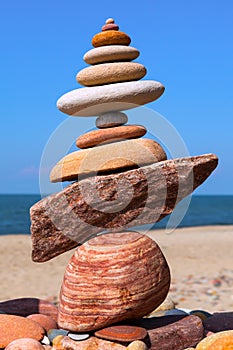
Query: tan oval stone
[
  {"x": 24, "y": 344},
  {"x": 118, "y": 156},
  {"x": 111, "y": 278},
  {"x": 108, "y": 73},
  {"x": 15, "y": 327},
  {"x": 110, "y": 135},
  {"x": 113, "y": 97},
  {"x": 110, "y": 37},
  {"x": 111, "y": 53},
  {"x": 137, "y": 345},
  {"x": 218, "y": 341},
  {"x": 111, "y": 119}
]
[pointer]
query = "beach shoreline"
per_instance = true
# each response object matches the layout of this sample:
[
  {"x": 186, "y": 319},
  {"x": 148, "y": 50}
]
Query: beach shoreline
[{"x": 199, "y": 258}]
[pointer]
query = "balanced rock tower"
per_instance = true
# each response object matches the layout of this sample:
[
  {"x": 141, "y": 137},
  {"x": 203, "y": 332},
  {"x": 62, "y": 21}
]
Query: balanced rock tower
[{"x": 121, "y": 180}]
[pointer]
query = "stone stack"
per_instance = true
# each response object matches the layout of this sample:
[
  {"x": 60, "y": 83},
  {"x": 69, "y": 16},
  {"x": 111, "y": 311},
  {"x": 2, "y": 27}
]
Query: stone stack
[
  {"x": 112, "y": 84},
  {"x": 119, "y": 276}
]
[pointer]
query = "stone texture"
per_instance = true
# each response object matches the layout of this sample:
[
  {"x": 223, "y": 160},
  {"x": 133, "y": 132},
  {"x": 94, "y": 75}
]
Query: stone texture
[
  {"x": 218, "y": 341},
  {"x": 15, "y": 327},
  {"x": 24, "y": 344},
  {"x": 110, "y": 37},
  {"x": 178, "y": 335},
  {"x": 109, "y": 158},
  {"x": 122, "y": 333},
  {"x": 111, "y": 278},
  {"x": 88, "y": 102},
  {"x": 109, "y": 73},
  {"x": 219, "y": 321},
  {"x": 92, "y": 343},
  {"x": 62, "y": 221},
  {"x": 110, "y": 26},
  {"x": 28, "y": 306},
  {"x": 113, "y": 53},
  {"x": 44, "y": 321},
  {"x": 137, "y": 345},
  {"x": 109, "y": 135},
  {"x": 167, "y": 304},
  {"x": 111, "y": 119}
]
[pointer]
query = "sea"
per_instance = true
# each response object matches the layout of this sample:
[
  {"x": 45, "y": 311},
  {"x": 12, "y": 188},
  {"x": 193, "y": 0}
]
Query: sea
[{"x": 203, "y": 210}]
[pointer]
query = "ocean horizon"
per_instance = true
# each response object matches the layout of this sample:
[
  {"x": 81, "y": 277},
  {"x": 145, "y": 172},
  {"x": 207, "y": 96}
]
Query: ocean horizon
[{"x": 203, "y": 210}]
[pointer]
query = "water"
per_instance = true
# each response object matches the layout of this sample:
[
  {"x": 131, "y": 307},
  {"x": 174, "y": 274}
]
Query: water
[{"x": 203, "y": 210}]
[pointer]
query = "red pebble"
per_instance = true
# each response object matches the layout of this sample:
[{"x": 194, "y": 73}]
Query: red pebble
[
  {"x": 110, "y": 26},
  {"x": 122, "y": 333},
  {"x": 44, "y": 321}
]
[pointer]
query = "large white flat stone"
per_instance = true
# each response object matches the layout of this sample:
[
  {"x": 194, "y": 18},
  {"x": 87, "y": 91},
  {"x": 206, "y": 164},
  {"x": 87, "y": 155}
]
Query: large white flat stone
[{"x": 92, "y": 101}]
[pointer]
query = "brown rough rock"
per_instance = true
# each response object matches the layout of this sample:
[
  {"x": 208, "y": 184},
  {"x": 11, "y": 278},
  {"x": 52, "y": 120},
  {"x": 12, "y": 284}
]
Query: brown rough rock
[
  {"x": 109, "y": 135},
  {"x": 25, "y": 344},
  {"x": 110, "y": 37},
  {"x": 27, "y": 306},
  {"x": 92, "y": 343},
  {"x": 185, "y": 333},
  {"x": 109, "y": 73},
  {"x": 218, "y": 341},
  {"x": 109, "y": 158},
  {"x": 16, "y": 327},
  {"x": 64, "y": 220},
  {"x": 111, "y": 278},
  {"x": 219, "y": 321}
]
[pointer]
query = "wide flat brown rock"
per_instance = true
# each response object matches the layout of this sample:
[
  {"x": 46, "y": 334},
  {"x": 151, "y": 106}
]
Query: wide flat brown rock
[{"x": 66, "y": 219}]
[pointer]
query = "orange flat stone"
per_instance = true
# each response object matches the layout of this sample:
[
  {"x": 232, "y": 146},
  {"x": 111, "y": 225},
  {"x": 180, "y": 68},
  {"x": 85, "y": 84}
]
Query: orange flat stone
[
  {"x": 122, "y": 333},
  {"x": 111, "y": 37}
]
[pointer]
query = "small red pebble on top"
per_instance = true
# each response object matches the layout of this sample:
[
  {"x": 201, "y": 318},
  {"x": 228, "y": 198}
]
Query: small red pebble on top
[{"x": 110, "y": 25}]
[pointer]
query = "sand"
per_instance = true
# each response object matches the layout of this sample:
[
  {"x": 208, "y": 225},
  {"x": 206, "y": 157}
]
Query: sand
[{"x": 200, "y": 259}]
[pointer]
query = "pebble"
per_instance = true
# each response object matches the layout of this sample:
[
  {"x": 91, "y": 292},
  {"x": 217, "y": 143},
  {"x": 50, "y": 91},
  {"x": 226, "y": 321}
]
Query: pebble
[
  {"x": 113, "y": 53},
  {"x": 15, "y": 327},
  {"x": 111, "y": 119},
  {"x": 217, "y": 341},
  {"x": 109, "y": 20},
  {"x": 110, "y": 37},
  {"x": 78, "y": 336},
  {"x": 167, "y": 304},
  {"x": 219, "y": 321},
  {"x": 57, "y": 341},
  {"x": 108, "y": 158},
  {"x": 91, "y": 344},
  {"x": 113, "y": 97},
  {"x": 109, "y": 135},
  {"x": 137, "y": 345},
  {"x": 45, "y": 340},
  {"x": 122, "y": 333},
  {"x": 52, "y": 333},
  {"x": 200, "y": 313},
  {"x": 109, "y": 73},
  {"x": 24, "y": 344},
  {"x": 45, "y": 321},
  {"x": 110, "y": 26}
]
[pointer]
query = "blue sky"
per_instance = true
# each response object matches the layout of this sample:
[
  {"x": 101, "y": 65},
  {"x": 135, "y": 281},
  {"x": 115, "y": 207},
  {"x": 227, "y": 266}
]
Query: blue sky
[{"x": 186, "y": 45}]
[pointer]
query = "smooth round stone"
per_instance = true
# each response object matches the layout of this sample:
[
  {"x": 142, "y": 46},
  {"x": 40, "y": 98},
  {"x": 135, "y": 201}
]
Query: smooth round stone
[
  {"x": 53, "y": 333},
  {"x": 78, "y": 336},
  {"x": 110, "y": 26},
  {"x": 15, "y": 327},
  {"x": 97, "y": 137},
  {"x": 111, "y": 119},
  {"x": 88, "y": 102},
  {"x": 113, "y": 53},
  {"x": 45, "y": 340},
  {"x": 137, "y": 345},
  {"x": 109, "y": 20},
  {"x": 118, "y": 156},
  {"x": 217, "y": 341},
  {"x": 57, "y": 341},
  {"x": 45, "y": 321},
  {"x": 110, "y": 37},
  {"x": 167, "y": 304},
  {"x": 24, "y": 344},
  {"x": 109, "y": 73},
  {"x": 122, "y": 333}
]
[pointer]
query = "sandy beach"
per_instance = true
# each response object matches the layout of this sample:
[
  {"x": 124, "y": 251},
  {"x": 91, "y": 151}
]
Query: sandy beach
[{"x": 200, "y": 259}]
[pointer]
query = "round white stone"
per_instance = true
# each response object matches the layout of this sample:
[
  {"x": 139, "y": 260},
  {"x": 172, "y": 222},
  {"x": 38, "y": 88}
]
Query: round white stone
[
  {"x": 111, "y": 53},
  {"x": 93, "y": 101},
  {"x": 78, "y": 336}
]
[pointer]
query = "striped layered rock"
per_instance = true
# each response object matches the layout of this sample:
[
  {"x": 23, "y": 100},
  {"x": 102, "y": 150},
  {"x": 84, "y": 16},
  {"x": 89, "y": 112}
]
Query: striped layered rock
[
  {"x": 64, "y": 220},
  {"x": 111, "y": 278},
  {"x": 108, "y": 73}
]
